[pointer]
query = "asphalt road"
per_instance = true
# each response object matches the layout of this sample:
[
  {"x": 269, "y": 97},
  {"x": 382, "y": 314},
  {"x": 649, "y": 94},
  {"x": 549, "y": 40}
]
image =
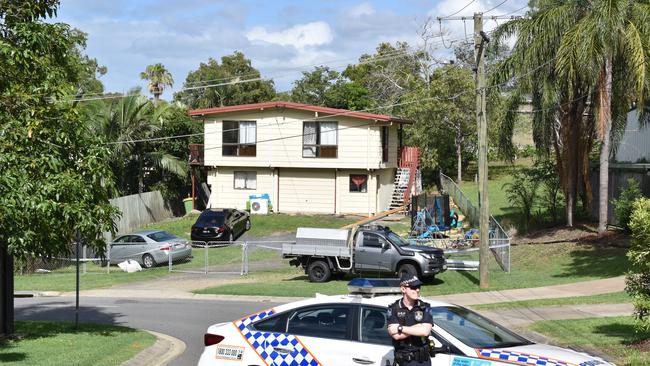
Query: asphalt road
[{"x": 186, "y": 320}]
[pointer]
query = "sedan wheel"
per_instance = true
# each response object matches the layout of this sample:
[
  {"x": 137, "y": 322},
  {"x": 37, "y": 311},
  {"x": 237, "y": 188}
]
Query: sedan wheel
[
  {"x": 148, "y": 261},
  {"x": 248, "y": 224}
]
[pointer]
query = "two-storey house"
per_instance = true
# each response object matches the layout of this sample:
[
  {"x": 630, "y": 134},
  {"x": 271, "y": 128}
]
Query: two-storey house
[{"x": 306, "y": 158}]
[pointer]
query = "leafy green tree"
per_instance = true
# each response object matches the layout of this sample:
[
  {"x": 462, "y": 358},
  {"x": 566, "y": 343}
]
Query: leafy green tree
[
  {"x": 637, "y": 280},
  {"x": 55, "y": 178},
  {"x": 313, "y": 88},
  {"x": 445, "y": 128},
  {"x": 159, "y": 77},
  {"x": 234, "y": 81},
  {"x": 612, "y": 58},
  {"x": 389, "y": 75},
  {"x": 326, "y": 87}
]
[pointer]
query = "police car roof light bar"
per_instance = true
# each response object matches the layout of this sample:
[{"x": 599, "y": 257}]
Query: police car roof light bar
[{"x": 370, "y": 287}]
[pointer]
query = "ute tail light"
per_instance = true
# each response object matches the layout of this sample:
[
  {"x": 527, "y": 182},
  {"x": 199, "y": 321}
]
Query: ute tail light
[
  {"x": 211, "y": 339},
  {"x": 221, "y": 229}
]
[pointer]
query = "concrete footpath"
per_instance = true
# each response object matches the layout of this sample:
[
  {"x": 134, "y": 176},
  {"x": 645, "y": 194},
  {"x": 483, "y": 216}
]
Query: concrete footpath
[{"x": 167, "y": 348}]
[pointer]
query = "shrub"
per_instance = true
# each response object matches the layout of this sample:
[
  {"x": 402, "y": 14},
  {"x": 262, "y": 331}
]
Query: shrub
[
  {"x": 623, "y": 204},
  {"x": 638, "y": 278},
  {"x": 522, "y": 193},
  {"x": 545, "y": 172}
]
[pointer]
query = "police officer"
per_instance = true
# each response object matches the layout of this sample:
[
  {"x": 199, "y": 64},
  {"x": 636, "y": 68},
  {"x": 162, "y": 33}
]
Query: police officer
[{"x": 409, "y": 324}]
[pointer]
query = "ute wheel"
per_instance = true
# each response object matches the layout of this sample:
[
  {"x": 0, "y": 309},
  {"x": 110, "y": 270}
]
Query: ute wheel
[
  {"x": 319, "y": 271},
  {"x": 407, "y": 268},
  {"x": 248, "y": 224},
  {"x": 148, "y": 261}
]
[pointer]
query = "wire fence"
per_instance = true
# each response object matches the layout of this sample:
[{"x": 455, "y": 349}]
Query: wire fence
[
  {"x": 224, "y": 257},
  {"x": 89, "y": 263}
]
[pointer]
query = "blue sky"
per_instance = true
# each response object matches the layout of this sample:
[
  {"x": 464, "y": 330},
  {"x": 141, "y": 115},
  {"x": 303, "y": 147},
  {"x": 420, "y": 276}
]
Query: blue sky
[{"x": 282, "y": 38}]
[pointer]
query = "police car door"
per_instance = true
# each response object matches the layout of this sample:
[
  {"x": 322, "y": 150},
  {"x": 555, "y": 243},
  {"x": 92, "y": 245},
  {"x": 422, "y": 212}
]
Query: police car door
[
  {"x": 377, "y": 345},
  {"x": 324, "y": 333}
]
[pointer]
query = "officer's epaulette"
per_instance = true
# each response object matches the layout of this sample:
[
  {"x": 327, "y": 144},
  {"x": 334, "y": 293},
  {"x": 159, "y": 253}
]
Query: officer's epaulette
[{"x": 423, "y": 304}]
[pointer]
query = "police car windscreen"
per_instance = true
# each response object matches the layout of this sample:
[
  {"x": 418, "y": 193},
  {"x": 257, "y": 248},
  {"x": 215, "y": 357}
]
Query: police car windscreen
[{"x": 473, "y": 329}]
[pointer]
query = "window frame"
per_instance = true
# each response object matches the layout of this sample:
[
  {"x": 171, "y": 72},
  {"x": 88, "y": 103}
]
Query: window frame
[
  {"x": 246, "y": 188},
  {"x": 350, "y": 319},
  {"x": 360, "y": 313},
  {"x": 361, "y": 188},
  {"x": 237, "y": 145},
  {"x": 318, "y": 146}
]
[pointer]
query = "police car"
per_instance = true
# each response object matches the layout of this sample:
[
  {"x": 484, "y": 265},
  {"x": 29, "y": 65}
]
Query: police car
[{"x": 351, "y": 330}]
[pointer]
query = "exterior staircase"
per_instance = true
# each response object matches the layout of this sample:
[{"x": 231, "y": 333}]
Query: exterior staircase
[{"x": 405, "y": 177}]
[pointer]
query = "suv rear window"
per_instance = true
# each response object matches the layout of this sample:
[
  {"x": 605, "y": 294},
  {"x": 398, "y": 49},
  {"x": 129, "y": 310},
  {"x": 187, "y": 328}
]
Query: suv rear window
[{"x": 211, "y": 218}]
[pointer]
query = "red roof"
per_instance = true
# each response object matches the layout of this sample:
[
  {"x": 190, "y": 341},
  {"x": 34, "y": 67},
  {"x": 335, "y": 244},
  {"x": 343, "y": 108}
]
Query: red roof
[{"x": 298, "y": 106}]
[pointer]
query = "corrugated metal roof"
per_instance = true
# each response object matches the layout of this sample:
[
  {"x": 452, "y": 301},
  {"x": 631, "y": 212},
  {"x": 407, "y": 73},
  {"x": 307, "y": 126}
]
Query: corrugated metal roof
[{"x": 298, "y": 106}]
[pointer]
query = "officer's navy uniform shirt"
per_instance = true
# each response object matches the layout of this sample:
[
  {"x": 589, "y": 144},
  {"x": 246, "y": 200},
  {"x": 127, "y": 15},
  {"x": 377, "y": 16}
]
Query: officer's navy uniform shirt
[{"x": 398, "y": 313}]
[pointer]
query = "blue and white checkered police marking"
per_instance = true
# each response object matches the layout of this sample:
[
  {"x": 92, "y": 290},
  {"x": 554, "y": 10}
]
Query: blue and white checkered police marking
[
  {"x": 521, "y": 358},
  {"x": 264, "y": 342}
]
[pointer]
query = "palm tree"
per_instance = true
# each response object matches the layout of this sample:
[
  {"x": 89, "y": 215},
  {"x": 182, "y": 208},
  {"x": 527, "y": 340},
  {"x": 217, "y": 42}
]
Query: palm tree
[
  {"x": 588, "y": 62},
  {"x": 563, "y": 122},
  {"x": 126, "y": 122},
  {"x": 158, "y": 77},
  {"x": 608, "y": 47}
]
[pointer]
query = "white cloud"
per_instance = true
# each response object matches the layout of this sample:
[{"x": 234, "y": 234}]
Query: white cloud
[
  {"x": 361, "y": 10},
  {"x": 299, "y": 36}
]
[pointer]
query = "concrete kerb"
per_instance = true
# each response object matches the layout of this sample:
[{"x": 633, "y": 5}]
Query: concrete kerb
[{"x": 164, "y": 350}]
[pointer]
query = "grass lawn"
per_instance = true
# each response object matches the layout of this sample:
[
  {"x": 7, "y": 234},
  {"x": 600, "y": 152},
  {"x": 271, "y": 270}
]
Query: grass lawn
[
  {"x": 610, "y": 336},
  {"x": 63, "y": 279},
  {"x": 613, "y": 298},
  {"x": 261, "y": 225},
  {"x": 58, "y": 343},
  {"x": 562, "y": 263}
]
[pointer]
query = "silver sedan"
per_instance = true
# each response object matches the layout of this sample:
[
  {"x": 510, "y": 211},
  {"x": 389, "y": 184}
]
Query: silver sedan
[{"x": 149, "y": 248}]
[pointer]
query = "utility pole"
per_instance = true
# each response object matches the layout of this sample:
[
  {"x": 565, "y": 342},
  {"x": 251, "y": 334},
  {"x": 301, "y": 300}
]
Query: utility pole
[{"x": 480, "y": 39}]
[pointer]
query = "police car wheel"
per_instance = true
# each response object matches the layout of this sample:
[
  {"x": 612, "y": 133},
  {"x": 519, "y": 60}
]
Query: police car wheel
[
  {"x": 318, "y": 271},
  {"x": 407, "y": 268}
]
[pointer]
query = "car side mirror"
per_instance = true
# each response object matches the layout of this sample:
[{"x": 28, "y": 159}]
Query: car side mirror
[{"x": 385, "y": 246}]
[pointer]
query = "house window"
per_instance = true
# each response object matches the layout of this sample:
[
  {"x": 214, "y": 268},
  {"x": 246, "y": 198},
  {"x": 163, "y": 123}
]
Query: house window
[
  {"x": 239, "y": 138},
  {"x": 384, "y": 144},
  {"x": 319, "y": 139},
  {"x": 359, "y": 183},
  {"x": 245, "y": 180}
]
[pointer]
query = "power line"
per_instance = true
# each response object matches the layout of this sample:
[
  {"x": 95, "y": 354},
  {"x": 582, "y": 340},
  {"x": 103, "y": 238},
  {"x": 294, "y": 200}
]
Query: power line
[
  {"x": 501, "y": 3},
  {"x": 458, "y": 11}
]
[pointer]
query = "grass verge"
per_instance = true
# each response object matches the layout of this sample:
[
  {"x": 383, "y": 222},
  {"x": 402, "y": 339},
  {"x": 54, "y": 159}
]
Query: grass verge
[
  {"x": 612, "y": 298},
  {"x": 611, "y": 336},
  {"x": 44, "y": 343},
  {"x": 563, "y": 263}
]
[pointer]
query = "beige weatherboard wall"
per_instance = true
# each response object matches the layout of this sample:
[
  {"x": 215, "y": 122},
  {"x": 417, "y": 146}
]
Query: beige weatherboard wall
[{"x": 297, "y": 184}]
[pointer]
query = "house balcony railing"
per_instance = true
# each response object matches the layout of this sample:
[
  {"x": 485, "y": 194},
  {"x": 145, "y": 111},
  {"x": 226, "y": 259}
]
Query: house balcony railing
[
  {"x": 196, "y": 154},
  {"x": 407, "y": 157}
]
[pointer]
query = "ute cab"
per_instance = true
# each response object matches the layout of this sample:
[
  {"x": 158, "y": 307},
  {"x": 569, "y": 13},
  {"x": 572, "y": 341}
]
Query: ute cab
[{"x": 351, "y": 330}]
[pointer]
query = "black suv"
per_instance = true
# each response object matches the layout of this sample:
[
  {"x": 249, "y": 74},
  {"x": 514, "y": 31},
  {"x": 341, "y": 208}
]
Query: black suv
[{"x": 224, "y": 224}]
